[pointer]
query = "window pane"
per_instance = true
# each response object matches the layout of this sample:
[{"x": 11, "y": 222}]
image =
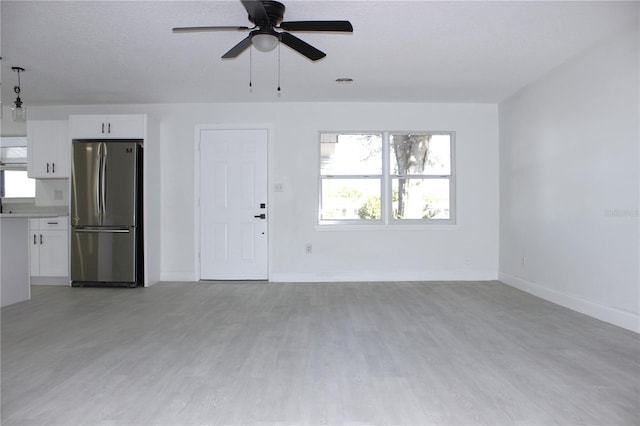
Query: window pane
[
  {"x": 420, "y": 154},
  {"x": 420, "y": 198},
  {"x": 350, "y": 199},
  {"x": 17, "y": 184},
  {"x": 350, "y": 154},
  {"x": 13, "y": 155}
]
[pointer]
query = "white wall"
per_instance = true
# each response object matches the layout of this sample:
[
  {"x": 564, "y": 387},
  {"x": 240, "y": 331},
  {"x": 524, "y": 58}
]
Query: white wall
[
  {"x": 52, "y": 192},
  {"x": 337, "y": 255},
  {"x": 569, "y": 183}
]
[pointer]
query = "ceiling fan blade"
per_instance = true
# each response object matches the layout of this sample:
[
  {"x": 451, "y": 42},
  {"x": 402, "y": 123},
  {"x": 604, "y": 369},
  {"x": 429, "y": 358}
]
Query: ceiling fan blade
[
  {"x": 202, "y": 29},
  {"x": 256, "y": 10},
  {"x": 342, "y": 26},
  {"x": 238, "y": 48},
  {"x": 301, "y": 46}
]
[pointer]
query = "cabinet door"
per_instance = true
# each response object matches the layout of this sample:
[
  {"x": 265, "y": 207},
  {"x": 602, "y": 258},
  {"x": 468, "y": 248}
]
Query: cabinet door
[
  {"x": 48, "y": 152},
  {"x": 54, "y": 257},
  {"x": 34, "y": 253},
  {"x": 87, "y": 126},
  {"x": 126, "y": 126},
  {"x": 62, "y": 167},
  {"x": 42, "y": 149},
  {"x": 118, "y": 126}
]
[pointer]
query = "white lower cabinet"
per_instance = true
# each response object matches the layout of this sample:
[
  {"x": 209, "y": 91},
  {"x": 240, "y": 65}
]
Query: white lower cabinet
[{"x": 49, "y": 243}]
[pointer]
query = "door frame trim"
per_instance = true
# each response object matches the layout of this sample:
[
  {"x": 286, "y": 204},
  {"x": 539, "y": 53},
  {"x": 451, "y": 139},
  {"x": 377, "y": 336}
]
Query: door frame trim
[{"x": 199, "y": 128}]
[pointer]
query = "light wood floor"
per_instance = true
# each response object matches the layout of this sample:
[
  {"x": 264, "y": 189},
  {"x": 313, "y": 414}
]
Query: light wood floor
[{"x": 337, "y": 353}]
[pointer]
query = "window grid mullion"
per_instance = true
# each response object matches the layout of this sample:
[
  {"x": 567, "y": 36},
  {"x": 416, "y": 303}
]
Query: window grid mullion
[
  {"x": 385, "y": 191},
  {"x": 350, "y": 176},
  {"x": 420, "y": 176}
]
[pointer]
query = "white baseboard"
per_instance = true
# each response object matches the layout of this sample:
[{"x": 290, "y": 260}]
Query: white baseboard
[
  {"x": 50, "y": 281},
  {"x": 177, "y": 276},
  {"x": 391, "y": 275},
  {"x": 627, "y": 320},
  {"x": 351, "y": 276}
]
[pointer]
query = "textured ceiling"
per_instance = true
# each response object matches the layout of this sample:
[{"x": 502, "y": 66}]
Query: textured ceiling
[{"x": 93, "y": 52}]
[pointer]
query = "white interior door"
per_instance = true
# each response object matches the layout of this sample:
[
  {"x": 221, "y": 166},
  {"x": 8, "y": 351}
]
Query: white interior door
[{"x": 233, "y": 204}]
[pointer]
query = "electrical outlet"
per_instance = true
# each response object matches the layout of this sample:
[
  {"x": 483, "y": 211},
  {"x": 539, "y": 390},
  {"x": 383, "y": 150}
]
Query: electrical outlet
[{"x": 309, "y": 249}]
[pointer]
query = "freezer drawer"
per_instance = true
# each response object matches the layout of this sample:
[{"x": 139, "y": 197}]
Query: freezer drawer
[{"x": 103, "y": 256}]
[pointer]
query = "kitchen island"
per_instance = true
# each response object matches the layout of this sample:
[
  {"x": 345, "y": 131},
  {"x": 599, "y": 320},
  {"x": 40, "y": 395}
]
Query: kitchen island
[
  {"x": 14, "y": 259},
  {"x": 16, "y": 273}
]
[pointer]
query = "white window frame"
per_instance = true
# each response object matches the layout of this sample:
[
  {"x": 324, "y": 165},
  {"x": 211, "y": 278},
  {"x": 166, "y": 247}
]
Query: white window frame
[
  {"x": 387, "y": 222},
  {"x": 13, "y": 163}
]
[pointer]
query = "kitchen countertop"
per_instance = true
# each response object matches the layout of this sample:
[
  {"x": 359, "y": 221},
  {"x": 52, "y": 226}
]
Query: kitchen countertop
[{"x": 33, "y": 214}]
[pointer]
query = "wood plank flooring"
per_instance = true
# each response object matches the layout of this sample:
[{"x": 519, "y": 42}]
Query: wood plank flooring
[{"x": 430, "y": 353}]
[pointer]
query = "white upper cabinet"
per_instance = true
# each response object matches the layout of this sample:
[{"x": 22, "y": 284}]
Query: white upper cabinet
[
  {"x": 119, "y": 126},
  {"x": 48, "y": 149}
]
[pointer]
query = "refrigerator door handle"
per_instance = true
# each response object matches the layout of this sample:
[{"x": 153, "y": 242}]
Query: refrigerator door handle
[
  {"x": 99, "y": 185},
  {"x": 102, "y": 230},
  {"x": 101, "y": 188}
]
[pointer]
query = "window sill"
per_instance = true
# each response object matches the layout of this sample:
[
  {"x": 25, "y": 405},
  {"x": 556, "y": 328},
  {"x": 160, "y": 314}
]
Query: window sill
[{"x": 341, "y": 227}]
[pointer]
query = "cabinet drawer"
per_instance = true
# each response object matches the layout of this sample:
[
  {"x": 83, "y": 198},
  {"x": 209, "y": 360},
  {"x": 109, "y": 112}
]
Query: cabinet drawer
[{"x": 53, "y": 223}]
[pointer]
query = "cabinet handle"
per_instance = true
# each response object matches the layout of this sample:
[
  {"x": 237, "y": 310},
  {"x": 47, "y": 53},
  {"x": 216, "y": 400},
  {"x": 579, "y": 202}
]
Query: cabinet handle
[
  {"x": 47, "y": 167},
  {"x": 41, "y": 239},
  {"x": 52, "y": 223},
  {"x": 34, "y": 239},
  {"x": 103, "y": 128},
  {"x": 109, "y": 128},
  {"x": 53, "y": 167}
]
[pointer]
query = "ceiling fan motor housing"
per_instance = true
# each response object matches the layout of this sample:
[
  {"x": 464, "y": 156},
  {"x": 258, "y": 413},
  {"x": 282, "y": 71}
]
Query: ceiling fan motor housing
[{"x": 275, "y": 12}]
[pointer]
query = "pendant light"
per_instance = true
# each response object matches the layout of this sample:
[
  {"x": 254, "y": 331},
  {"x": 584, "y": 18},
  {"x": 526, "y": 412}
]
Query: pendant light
[{"x": 18, "y": 110}]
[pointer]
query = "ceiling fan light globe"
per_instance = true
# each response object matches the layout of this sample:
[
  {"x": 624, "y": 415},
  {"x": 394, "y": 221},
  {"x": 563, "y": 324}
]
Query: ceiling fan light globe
[{"x": 264, "y": 42}]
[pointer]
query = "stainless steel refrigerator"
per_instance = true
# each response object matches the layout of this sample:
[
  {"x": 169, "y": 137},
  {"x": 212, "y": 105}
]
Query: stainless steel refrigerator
[{"x": 106, "y": 213}]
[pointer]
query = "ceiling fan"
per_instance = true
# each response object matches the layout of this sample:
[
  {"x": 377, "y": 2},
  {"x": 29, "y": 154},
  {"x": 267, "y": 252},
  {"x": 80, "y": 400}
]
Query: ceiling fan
[{"x": 267, "y": 15}]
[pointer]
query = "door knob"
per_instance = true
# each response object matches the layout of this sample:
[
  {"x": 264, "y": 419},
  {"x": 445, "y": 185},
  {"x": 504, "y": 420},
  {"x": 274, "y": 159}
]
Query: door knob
[{"x": 261, "y": 216}]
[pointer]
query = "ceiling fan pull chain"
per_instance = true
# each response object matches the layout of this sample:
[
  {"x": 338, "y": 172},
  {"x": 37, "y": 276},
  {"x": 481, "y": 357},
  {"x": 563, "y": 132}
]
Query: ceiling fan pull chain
[
  {"x": 250, "y": 68},
  {"x": 278, "y": 69}
]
